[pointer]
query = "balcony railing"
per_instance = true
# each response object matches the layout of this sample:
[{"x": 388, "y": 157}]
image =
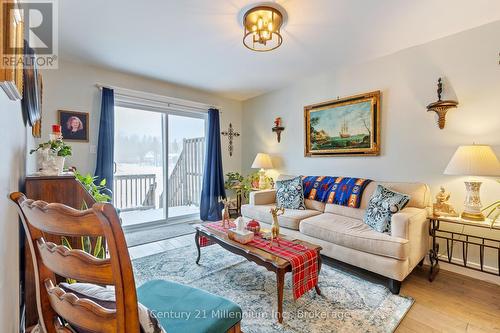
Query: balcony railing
[
  {"x": 138, "y": 191},
  {"x": 185, "y": 181},
  {"x": 134, "y": 192}
]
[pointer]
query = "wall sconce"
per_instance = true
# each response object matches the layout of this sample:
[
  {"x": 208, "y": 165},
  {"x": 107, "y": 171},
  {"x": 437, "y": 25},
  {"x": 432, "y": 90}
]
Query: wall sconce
[
  {"x": 278, "y": 128},
  {"x": 441, "y": 107}
]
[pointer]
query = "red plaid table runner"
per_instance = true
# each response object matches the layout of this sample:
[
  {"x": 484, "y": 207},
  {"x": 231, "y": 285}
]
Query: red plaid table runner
[
  {"x": 205, "y": 241},
  {"x": 304, "y": 261}
]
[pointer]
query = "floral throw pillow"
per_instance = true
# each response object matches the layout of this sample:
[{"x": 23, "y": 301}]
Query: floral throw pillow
[
  {"x": 290, "y": 194},
  {"x": 382, "y": 205}
]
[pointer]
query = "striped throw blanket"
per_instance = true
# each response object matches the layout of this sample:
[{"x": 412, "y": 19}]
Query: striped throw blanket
[{"x": 344, "y": 191}]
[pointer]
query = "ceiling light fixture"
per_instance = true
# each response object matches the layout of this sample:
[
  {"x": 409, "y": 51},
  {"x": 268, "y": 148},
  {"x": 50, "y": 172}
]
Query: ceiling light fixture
[{"x": 262, "y": 26}]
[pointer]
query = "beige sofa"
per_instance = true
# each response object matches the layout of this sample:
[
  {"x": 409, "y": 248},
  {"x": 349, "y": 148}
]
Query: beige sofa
[{"x": 344, "y": 236}]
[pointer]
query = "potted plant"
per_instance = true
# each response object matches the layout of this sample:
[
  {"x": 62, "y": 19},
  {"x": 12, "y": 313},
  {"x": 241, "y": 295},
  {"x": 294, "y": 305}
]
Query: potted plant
[
  {"x": 51, "y": 156},
  {"x": 100, "y": 193}
]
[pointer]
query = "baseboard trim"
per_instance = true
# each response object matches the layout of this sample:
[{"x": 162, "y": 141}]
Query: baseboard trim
[{"x": 445, "y": 265}]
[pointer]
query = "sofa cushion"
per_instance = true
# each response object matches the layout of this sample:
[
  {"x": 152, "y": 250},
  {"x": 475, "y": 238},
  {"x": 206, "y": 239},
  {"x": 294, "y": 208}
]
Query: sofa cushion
[
  {"x": 354, "y": 234},
  {"x": 355, "y": 213},
  {"x": 290, "y": 219},
  {"x": 383, "y": 204},
  {"x": 315, "y": 205},
  {"x": 290, "y": 194}
]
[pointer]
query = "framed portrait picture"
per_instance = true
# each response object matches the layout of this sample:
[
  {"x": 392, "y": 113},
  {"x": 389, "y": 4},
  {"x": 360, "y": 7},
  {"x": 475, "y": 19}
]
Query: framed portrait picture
[
  {"x": 343, "y": 127},
  {"x": 74, "y": 125}
]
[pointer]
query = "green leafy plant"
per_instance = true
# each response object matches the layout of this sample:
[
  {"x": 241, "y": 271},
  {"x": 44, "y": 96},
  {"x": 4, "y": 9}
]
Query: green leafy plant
[
  {"x": 98, "y": 192},
  {"x": 58, "y": 146},
  {"x": 242, "y": 185},
  {"x": 493, "y": 211},
  {"x": 233, "y": 181}
]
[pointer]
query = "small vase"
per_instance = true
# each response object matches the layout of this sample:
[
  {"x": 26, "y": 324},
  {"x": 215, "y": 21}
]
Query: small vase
[
  {"x": 49, "y": 164},
  {"x": 59, "y": 162}
]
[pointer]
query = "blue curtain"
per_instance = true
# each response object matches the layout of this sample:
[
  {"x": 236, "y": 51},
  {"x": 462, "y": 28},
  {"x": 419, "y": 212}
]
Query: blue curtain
[
  {"x": 213, "y": 176},
  {"x": 105, "y": 145}
]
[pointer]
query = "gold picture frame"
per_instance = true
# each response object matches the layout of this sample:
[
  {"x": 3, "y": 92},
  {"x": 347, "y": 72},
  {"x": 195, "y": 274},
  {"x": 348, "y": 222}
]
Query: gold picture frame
[
  {"x": 343, "y": 127},
  {"x": 79, "y": 133},
  {"x": 11, "y": 47}
]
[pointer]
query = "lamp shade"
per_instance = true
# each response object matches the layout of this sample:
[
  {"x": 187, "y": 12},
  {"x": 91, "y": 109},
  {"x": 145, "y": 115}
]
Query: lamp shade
[
  {"x": 474, "y": 160},
  {"x": 262, "y": 161}
]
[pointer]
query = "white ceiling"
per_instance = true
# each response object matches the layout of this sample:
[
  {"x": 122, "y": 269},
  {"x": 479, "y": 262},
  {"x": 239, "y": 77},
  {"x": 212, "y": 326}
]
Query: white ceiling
[{"x": 198, "y": 42}]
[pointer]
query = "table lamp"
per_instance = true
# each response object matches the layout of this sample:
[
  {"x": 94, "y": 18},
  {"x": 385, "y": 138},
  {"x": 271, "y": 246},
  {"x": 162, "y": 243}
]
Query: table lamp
[
  {"x": 474, "y": 160},
  {"x": 262, "y": 161}
]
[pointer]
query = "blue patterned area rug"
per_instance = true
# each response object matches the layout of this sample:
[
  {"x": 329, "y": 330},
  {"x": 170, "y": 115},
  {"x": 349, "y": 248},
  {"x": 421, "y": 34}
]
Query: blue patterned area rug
[{"x": 347, "y": 304}]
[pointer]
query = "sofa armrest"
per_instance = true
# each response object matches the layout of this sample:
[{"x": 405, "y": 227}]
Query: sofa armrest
[
  {"x": 263, "y": 197},
  {"x": 400, "y": 222}
]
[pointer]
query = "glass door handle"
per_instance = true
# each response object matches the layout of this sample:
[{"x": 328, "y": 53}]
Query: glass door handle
[{"x": 114, "y": 168}]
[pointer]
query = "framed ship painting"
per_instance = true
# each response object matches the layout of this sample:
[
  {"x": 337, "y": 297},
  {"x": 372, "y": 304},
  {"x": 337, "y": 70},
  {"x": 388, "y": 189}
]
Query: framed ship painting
[{"x": 343, "y": 127}]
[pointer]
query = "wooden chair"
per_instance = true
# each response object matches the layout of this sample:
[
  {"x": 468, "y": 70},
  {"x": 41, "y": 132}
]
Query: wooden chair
[{"x": 49, "y": 260}]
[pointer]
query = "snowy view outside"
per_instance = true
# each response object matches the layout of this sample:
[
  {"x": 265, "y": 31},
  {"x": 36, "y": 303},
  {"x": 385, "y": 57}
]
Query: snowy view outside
[{"x": 139, "y": 147}]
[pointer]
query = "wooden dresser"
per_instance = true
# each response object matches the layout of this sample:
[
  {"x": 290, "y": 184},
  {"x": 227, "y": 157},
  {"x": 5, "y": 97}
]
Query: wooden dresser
[{"x": 62, "y": 189}]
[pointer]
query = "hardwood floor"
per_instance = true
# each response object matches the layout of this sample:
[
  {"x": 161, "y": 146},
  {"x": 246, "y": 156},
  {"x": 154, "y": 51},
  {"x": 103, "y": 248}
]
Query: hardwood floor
[{"x": 452, "y": 303}]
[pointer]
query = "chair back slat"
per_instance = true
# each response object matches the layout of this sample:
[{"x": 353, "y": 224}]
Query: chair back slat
[
  {"x": 51, "y": 260},
  {"x": 58, "y": 219},
  {"x": 75, "y": 264},
  {"x": 82, "y": 312}
]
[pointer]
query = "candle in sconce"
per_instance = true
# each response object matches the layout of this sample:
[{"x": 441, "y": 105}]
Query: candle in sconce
[
  {"x": 56, "y": 129},
  {"x": 56, "y": 132}
]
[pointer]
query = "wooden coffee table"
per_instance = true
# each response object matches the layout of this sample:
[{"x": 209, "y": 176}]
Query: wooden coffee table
[{"x": 262, "y": 258}]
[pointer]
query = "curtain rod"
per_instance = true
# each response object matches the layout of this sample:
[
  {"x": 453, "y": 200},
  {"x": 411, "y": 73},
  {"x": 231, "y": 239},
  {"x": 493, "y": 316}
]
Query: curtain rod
[{"x": 159, "y": 98}]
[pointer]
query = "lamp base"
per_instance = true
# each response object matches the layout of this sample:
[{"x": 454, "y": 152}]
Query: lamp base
[
  {"x": 472, "y": 217},
  {"x": 262, "y": 179},
  {"x": 472, "y": 203}
]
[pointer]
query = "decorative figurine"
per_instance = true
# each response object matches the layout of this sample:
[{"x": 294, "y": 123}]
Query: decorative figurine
[
  {"x": 277, "y": 122},
  {"x": 441, "y": 207},
  {"x": 440, "y": 106},
  {"x": 275, "y": 228},
  {"x": 225, "y": 223},
  {"x": 278, "y": 128}
]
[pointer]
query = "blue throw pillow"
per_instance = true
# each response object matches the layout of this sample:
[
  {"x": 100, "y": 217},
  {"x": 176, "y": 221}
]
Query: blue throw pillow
[
  {"x": 290, "y": 194},
  {"x": 382, "y": 205}
]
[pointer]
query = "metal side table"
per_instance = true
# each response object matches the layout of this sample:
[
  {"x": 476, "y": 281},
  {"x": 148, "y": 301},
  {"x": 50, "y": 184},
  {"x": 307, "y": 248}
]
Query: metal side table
[{"x": 466, "y": 239}]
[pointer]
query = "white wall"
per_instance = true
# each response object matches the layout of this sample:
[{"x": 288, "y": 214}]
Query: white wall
[
  {"x": 13, "y": 135},
  {"x": 413, "y": 147},
  {"x": 72, "y": 87}
]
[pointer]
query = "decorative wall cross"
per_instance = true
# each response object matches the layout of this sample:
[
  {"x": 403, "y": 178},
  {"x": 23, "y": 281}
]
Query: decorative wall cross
[{"x": 231, "y": 134}]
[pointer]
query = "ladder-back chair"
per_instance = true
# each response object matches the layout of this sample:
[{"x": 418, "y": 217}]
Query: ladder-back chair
[{"x": 51, "y": 260}]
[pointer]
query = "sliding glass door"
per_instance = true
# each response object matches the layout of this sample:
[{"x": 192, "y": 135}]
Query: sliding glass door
[
  {"x": 159, "y": 158},
  {"x": 186, "y": 138}
]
